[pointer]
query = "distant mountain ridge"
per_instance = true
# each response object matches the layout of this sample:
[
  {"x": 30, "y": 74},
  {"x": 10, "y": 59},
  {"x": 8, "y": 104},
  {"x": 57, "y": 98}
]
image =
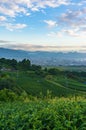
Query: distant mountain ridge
[
  {"x": 10, "y": 54},
  {"x": 45, "y": 57}
]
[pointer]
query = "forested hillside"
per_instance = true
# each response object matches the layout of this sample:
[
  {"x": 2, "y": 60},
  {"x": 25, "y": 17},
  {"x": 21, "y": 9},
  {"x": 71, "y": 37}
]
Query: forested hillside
[
  {"x": 34, "y": 80},
  {"x": 41, "y": 98}
]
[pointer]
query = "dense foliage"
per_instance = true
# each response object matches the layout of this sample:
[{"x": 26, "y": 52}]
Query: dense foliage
[
  {"x": 29, "y": 97},
  {"x": 19, "y": 76},
  {"x": 55, "y": 114},
  {"x": 12, "y": 64}
]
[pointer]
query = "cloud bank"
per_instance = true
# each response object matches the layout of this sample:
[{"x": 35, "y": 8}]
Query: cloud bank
[
  {"x": 29, "y": 47},
  {"x": 15, "y": 8},
  {"x": 72, "y": 22}
]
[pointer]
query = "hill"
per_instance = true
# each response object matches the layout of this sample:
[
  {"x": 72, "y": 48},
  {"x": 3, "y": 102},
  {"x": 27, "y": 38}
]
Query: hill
[
  {"x": 37, "y": 84},
  {"x": 20, "y": 76},
  {"x": 46, "y": 58},
  {"x": 29, "y": 99},
  {"x": 12, "y": 54}
]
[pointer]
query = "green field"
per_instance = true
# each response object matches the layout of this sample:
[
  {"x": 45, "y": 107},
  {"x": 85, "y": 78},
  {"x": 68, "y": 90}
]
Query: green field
[
  {"x": 59, "y": 85},
  {"x": 72, "y": 68},
  {"x": 53, "y": 99},
  {"x": 35, "y": 80},
  {"x": 49, "y": 114}
]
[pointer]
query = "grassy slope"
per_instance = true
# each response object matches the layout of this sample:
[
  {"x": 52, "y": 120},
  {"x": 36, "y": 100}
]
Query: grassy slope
[
  {"x": 49, "y": 114},
  {"x": 58, "y": 85},
  {"x": 71, "y": 83}
]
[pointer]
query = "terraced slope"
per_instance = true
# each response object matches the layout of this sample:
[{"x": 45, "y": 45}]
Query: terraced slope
[
  {"x": 36, "y": 85},
  {"x": 59, "y": 86}
]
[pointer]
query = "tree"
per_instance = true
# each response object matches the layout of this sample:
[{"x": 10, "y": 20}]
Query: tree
[
  {"x": 8, "y": 95},
  {"x": 35, "y": 67},
  {"x": 24, "y": 64},
  {"x": 13, "y": 63},
  {"x": 6, "y": 81},
  {"x": 52, "y": 71}
]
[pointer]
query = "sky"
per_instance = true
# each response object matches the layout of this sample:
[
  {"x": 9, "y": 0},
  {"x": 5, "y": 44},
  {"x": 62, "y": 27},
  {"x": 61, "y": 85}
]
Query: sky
[{"x": 43, "y": 24}]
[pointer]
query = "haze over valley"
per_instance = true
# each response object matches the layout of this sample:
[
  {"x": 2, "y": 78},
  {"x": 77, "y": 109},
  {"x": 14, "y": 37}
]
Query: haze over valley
[{"x": 46, "y": 58}]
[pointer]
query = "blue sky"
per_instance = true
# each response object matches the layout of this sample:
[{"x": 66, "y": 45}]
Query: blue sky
[{"x": 36, "y": 24}]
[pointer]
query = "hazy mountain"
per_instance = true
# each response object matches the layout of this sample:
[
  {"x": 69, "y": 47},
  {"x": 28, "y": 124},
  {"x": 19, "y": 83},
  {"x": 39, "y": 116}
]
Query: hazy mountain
[
  {"x": 9, "y": 53},
  {"x": 46, "y": 58}
]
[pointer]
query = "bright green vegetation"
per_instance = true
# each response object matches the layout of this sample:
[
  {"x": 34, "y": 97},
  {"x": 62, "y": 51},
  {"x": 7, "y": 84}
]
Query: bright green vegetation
[
  {"x": 20, "y": 76},
  {"x": 33, "y": 83},
  {"x": 49, "y": 114},
  {"x": 36, "y": 98},
  {"x": 73, "y": 68},
  {"x": 58, "y": 85}
]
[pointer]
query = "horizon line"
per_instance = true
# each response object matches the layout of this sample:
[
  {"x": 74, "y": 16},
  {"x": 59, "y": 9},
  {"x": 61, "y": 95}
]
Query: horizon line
[{"x": 34, "y": 48}]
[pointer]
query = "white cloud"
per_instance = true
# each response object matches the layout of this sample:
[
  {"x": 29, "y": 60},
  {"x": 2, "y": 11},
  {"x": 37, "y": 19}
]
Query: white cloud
[
  {"x": 6, "y": 11},
  {"x": 55, "y": 34},
  {"x": 28, "y": 14},
  {"x": 71, "y": 32},
  {"x": 53, "y": 3},
  {"x": 72, "y": 18},
  {"x": 50, "y": 23},
  {"x": 34, "y": 9},
  {"x": 73, "y": 22},
  {"x": 30, "y": 47},
  {"x": 2, "y": 18},
  {"x": 79, "y": 3},
  {"x": 12, "y": 27},
  {"x": 13, "y": 7},
  {"x": 44, "y": 12},
  {"x": 4, "y": 41}
]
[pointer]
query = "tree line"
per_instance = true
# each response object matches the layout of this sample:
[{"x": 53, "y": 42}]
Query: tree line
[
  {"x": 13, "y": 64},
  {"x": 25, "y": 65}
]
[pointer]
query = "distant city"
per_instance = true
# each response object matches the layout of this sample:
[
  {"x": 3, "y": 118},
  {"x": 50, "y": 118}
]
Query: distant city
[{"x": 46, "y": 58}]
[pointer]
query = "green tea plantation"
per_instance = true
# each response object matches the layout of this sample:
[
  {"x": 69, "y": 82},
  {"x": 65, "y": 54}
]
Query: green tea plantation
[{"x": 48, "y": 114}]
